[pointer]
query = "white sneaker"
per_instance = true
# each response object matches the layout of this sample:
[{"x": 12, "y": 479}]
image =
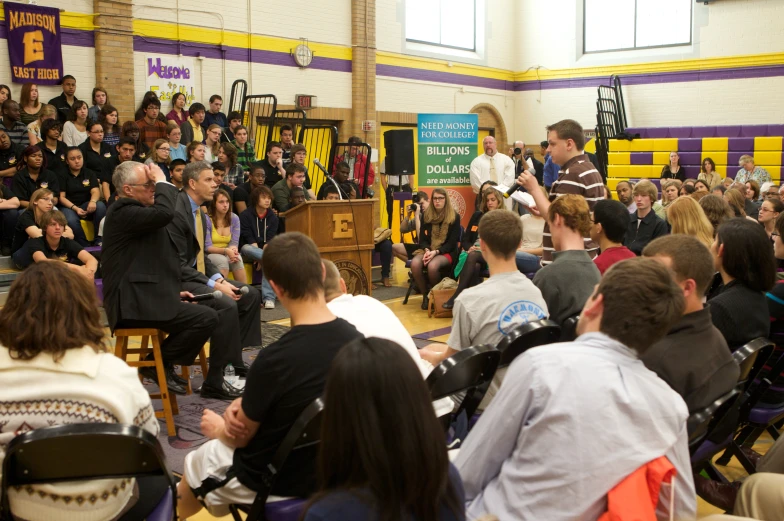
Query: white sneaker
[{"x": 270, "y": 304}]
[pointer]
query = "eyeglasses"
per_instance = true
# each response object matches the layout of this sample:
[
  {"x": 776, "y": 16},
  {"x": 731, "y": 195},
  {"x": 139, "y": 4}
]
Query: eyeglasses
[
  {"x": 439, "y": 198},
  {"x": 165, "y": 148},
  {"x": 149, "y": 185}
]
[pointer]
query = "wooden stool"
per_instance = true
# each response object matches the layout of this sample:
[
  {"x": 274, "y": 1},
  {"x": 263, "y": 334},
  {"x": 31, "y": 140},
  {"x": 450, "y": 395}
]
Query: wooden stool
[
  {"x": 186, "y": 372},
  {"x": 122, "y": 351}
]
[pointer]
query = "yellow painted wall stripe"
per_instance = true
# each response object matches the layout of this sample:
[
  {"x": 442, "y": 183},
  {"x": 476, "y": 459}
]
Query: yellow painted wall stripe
[{"x": 69, "y": 20}]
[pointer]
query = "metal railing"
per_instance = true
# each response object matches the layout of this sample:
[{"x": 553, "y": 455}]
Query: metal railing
[
  {"x": 257, "y": 114},
  {"x": 319, "y": 140}
]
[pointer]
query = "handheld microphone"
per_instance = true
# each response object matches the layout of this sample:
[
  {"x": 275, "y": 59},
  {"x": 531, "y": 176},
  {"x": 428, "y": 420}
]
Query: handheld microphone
[
  {"x": 205, "y": 296},
  {"x": 240, "y": 291},
  {"x": 515, "y": 187}
]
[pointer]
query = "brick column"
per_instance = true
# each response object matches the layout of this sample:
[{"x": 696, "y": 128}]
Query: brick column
[
  {"x": 114, "y": 54},
  {"x": 363, "y": 66}
]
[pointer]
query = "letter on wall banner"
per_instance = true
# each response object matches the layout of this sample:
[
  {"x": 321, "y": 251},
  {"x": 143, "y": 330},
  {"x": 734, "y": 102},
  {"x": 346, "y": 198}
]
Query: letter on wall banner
[
  {"x": 34, "y": 43},
  {"x": 447, "y": 143},
  {"x": 167, "y": 75}
]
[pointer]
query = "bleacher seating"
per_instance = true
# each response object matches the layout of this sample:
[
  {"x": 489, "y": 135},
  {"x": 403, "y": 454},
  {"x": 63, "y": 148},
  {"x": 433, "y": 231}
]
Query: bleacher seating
[{"x": 643, "y": 158}]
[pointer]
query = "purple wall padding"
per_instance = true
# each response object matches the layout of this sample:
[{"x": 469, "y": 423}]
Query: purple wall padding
[
  {"x": 658, "y": 133},
  {"x": 741, "y": 144},
  {"x": 689, "y": 145},
  {"x": 680, "y": 132},
  {"x": 641, "y": 131},
  {"x": 641, "y": 158},
  {"x": 728, "y": 131},
  {"x": 703, "y": 132},
  {"x": 775, "y": 130},
  {"x": 690, "y": 158},
  {"x": 732, "y": 161},
  {"x": 754, "y": 130}
]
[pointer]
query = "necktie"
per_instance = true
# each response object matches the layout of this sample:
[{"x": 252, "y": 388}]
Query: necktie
[
  {"x": 200, "y": 240},
  {"x": 493, "y": 176}
]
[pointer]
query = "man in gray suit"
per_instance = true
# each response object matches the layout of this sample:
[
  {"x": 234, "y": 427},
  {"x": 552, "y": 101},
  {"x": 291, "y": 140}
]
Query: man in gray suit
[{"x": 239, "y": 313}]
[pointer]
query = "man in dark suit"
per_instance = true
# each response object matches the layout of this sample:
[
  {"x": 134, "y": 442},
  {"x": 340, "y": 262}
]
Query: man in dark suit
[
  {"x": 141, "y": 269},
  {"x": 538, "y": 165},
  {"x": 239, "y": 314}
]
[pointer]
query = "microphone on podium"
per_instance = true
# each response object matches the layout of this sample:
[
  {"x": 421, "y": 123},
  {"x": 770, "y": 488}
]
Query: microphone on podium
[
  {"x": 205, "y": 296},
  {"x": 321, "y": 167}
]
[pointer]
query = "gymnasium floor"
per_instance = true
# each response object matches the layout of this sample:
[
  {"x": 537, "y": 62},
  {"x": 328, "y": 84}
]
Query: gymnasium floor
[{"x": 437, "y": 330}]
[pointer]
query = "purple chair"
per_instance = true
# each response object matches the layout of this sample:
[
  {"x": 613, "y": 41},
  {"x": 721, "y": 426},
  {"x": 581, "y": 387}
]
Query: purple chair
[
  {"x": 303, "y": 435},
  {"x": 120, "y": 451}
]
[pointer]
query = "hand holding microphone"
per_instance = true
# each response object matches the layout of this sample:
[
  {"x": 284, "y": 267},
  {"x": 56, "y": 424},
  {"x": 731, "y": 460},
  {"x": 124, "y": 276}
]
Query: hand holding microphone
[{"x": 187, "y": 296}]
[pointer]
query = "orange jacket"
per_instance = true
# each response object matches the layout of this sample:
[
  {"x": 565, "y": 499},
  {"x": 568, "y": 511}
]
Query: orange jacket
[{"x": 635, "y": 498}]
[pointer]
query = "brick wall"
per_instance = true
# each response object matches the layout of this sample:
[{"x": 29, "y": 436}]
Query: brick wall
[{"x": 113, "y": 62}]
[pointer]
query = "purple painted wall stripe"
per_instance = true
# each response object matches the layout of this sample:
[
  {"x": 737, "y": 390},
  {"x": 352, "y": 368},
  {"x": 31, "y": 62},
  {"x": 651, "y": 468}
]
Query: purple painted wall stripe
[{"x": 73, "y": 37}]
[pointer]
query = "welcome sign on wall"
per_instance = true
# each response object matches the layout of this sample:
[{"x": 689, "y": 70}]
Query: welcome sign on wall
[{"x": 167, "y": 75}]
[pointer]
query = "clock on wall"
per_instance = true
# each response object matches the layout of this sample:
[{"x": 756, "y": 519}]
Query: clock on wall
[{"x": 302, "y": 54}]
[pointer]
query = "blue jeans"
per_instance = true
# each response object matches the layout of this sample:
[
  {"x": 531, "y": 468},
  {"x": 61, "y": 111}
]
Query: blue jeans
[
  {"x": 527, "y": 262},
  {"x": 73, "y": 221},
  {"x": 253, "y": 254}
]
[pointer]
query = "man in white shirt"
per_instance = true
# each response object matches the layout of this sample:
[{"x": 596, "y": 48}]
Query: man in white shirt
[
  {"x": 374, "y": 319},
  {"x": 492, "y": 166},
  {"x": 573, "y": 420}
]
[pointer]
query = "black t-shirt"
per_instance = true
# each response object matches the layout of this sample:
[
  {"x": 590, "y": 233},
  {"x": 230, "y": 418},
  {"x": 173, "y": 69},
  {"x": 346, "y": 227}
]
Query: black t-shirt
[
  {"x": 242, "y": 193},
  {"x": 271, "y": 171},
  {"x": 23, "y": 185},
  {"x": 94, "y": 160},
  {"x": 67, "y": 251},
  {"x": 26, "y": 220},
  {"x": 10, "y": 156},
  {"x": 77, "y": 187},
  {"x": 284, "y": 379},
  {"x": 55, "y": 160}
]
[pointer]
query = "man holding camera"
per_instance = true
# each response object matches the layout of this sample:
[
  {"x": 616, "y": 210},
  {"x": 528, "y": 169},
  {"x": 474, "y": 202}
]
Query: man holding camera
[{"x": 411, "y": 223}]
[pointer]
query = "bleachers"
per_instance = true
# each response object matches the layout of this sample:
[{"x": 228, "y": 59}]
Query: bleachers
[{"x": 644, "y": 158}]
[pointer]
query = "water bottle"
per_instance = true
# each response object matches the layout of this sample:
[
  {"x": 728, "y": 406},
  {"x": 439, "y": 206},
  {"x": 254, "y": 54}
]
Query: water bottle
[{"x": 229, "y": 375}]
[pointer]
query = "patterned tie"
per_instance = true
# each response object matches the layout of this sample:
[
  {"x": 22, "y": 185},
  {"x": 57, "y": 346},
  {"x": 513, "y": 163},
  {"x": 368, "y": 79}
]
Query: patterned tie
[
  {"x": 200, "y": 240},
  {"x": 493, "y": 176}
]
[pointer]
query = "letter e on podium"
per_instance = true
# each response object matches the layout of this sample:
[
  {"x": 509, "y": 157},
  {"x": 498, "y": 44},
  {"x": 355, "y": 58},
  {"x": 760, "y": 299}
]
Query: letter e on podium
[{"x": 342, "y": 230}]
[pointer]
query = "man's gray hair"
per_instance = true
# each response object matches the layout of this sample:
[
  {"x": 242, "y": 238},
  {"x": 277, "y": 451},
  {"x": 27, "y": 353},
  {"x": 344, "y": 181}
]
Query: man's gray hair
[
  {"x": 124, "y": 174},
  {"x": 193, "y": 171}
]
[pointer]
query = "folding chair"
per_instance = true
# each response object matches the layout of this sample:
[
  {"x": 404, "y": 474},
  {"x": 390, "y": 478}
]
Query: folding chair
[
  {"x": 569, "y": 328},
  {"x": 703, "y": 447},
  {"x": 93, "y": 451},
  {"x": 470, "y": 371},
  {"x": 699, "y": 422},
  {"x": 305, "y": 433},
  {"x": 525, "y": 336}
]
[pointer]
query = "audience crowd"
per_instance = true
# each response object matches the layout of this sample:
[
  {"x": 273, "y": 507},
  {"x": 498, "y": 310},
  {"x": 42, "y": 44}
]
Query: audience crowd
[{"x": 662, "y": 289}]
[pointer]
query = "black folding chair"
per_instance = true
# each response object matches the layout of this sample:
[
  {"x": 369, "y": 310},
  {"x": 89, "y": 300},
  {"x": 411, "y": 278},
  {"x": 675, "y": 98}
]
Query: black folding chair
[
  {"x": 470, "y": 371},
  {"x": 525, "y": 336},
  {"x": 305, "y": 433},
  {"x": 93, "y": 451},
  {"x": 706, "y": 442},
  {"x": 569, "y": 328},
  {"x": 698, "y": 424},
  {"x": 752, "y": 358},
  {"x": 753, "y": 419}
]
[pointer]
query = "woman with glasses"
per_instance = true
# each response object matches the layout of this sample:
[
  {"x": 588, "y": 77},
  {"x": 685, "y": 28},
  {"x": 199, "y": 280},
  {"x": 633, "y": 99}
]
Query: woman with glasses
[
  {"x": 95, "y": 150},
  {"x": 174, "y": 135},
  {"x": 131, "y": 130},
  {"x": 161, "y": 156},
  {"x": 768, "y": 214},
  {"x": 27, "y": 227},
  {"x": 439, "y": 243}
]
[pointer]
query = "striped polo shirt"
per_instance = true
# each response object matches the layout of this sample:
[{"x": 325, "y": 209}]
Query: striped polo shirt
[{"x": 578, "y": 176}]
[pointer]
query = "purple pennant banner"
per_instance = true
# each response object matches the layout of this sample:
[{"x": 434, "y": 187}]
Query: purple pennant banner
[{"x": 34, "y": 43}]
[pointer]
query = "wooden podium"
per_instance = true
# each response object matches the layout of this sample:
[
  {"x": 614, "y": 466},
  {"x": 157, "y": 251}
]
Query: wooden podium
[{"x": 343, "y": 233}]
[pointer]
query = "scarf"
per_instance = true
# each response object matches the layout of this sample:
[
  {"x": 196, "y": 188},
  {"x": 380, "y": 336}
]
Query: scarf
[{"x": 439, "y": 231}]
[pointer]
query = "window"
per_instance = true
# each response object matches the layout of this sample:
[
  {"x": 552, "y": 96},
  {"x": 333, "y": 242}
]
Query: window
[
  {"x": 447, "y": 23},
  {"x": 613, "y": 25}
]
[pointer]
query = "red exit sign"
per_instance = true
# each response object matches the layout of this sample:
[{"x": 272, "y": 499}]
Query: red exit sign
[{"x": 305, "y": 101}]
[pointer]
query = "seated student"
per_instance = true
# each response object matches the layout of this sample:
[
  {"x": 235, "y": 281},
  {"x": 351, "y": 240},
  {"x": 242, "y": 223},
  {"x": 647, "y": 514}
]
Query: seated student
[
  {"x": 258, "y": 226},
  {"x": 131, "y": 130},
  {"x": 273, "y": 164},
  {"x": 235, "y": 121},
  {"x": 9, "y": 214},
  {"x": 223, "y": 236},
  {"x": 297, "y": 196},
  {"x": 126, "y": 151},
  {"x": 33, "y": 175},
  {"x": 281, "y": 191},
  {"x": 160, "y": 154},
  {"x": 176, "y": 168},
  {"x": 94, "y": 150},
  {"x": 298, "y": 155},
  {"x": 716, "y": 209},
  {"x": 332, "y": 193},
  {"x": 644, "y": 225},
  {"x": 610, "y": 221},
  {"x": 485, "y": 313},
  {"x": 246, "y": 153},
  {"x": 9, "y": 157},
  {"x": 212, "y": 143},
  {"x": 214, "y": 116},
  {"x": 339, "y": 175},
  {"x": 27, "y": 224},
  {"x": 374, "y": 394},
  {"x": 219, "y": 169},
  {"x": 411, "y": 224},
  {"x": 192, "y": 130},
  {"x": 685, "y": 216},
  {"x": 75, "y": 129},
  {"x": 570, "y": 279},
  {"x": 529, "y": 254},
  {"x": 196, "y": 151},
  {"x": 148, "y": 96},
  {"x": 227, "y": 155},
  {"x": 438, "y": 245},
  {"x": 52, "y": 246},
  {"x": 471, "y": 274},
  {"x": 693, "y": 358},
  {"x": 52, "y": 364},
  {"x": 151, "y": 129},
  {"x": 174, "y": 135},
  {"x": 584, "y": 415},
  {"x": 109, "y": 117},
  {"x": 177, "y": 115},
  {"x": 80, "y": 196},
  {"x": 284, "y": 379},
  {"x": 743, "y": 256},
  {"x": 241, "y": 195}
]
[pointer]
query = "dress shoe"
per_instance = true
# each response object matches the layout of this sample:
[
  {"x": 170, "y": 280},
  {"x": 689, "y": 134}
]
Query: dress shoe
[
  {"x": 449, "y": 304},
  {"x": 425, "y": 302},
  {"x": 241, "y": 370},
  {"x": 225, "y": 392},
  {"x": 171, "y": 374},
  {"x": 721, "y": 495},
  {"x": 152, "y": 374}
]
